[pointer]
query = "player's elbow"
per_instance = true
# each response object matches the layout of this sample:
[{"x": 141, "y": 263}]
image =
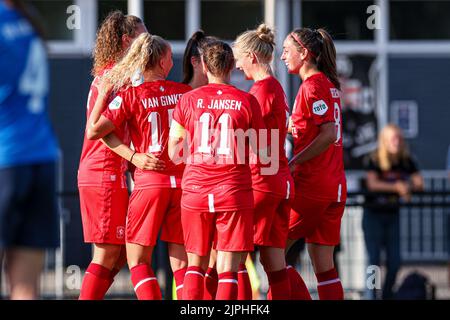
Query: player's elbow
[{"x": 92, "y": 134}]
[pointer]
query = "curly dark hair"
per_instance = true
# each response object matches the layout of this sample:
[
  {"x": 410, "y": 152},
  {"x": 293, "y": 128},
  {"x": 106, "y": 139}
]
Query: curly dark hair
[{"x": 108, "y": 46}]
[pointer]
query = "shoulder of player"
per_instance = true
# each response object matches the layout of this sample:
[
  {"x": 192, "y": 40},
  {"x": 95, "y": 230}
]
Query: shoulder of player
[
  {"x": 178, "y": 86},
  {"x": 313, "y": 84},
  {"x": 263, "y": 87}
]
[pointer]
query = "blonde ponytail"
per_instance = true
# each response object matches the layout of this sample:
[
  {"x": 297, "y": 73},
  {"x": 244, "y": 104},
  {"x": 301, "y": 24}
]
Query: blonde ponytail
[{"x": 144, "y": 53}]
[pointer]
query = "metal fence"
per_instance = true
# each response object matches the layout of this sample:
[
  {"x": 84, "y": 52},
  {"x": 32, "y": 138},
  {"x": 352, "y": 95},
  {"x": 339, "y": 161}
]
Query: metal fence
[{"x": 424, "y": 240}]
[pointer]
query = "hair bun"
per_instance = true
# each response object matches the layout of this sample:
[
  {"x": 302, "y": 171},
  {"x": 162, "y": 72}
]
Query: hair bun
[
  {"x": 198, "y": 35},
  {"x": 265, "y": 34}
]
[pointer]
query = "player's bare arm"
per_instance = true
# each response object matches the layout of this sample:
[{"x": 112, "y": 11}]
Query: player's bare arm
[
  {"x": 142, "y": 161},
  {"x": 104, "y": 93},
  {"x": 100, "y": 129},
  {"x": 176, "y": 142},
  {"x": 325, "y": 138}
]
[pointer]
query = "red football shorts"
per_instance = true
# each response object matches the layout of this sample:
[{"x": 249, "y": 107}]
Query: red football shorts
[
  {"x": 151, "y": 210},
  {"x": 271, "y": 220},
  {"x": 103, "y": 214},
  {"x": 317, "y": 221},
  {"x": 230, "y": 230}
]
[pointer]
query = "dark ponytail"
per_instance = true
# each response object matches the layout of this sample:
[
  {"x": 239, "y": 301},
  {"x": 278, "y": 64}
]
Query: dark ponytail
[
  {"x": 322, "y": 50},
  {"x": 326, "y": 61},
  {"x": 191, "y": 51}
]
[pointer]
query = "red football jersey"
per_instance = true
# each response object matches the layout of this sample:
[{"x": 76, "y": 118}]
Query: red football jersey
[
  {"x": 275, "y": 112},
  {"x": 217, "y": 169},
  {"x": 318, "y": 102},
  {"x": 99, "y": 165},
  {"x": 147, "y": 110}
]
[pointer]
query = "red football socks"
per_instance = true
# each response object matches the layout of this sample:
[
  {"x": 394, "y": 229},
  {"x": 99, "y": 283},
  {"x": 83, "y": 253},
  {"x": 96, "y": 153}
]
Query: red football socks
[
  {"x": 211, "y": 282},
  {"x": 96, "y": 282},
  {"x": 193, "y": 283},
  {"x": 279, "y": 285},
  {"x": 227, "y": 288},
  {"x": 145, "y": 283},
  {"x": 299, "y": 291},
  {"x": 329, "y": 285},
  {"x": 179, "y": 281},
  {"x": 244, "y": 285}
]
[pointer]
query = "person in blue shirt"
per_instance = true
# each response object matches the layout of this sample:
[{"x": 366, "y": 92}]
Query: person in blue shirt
[{"x": 28, "y": 152}]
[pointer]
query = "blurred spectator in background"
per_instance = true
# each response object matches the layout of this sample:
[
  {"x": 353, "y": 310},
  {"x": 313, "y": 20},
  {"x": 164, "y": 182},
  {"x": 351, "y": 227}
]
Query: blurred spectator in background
[
  {"x": 390, "y": 169},
  {"x": 28, "y": 152}
]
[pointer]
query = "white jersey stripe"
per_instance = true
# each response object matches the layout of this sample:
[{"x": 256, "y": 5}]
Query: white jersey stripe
[
  {"x": 288, "y": 193},
  {"x": 339, "y": 193},
  {"x": 211, "y": 203},
  {"x": 173, "y": 182}
]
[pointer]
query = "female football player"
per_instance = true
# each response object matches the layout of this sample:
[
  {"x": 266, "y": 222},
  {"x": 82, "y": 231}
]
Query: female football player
[
  {"x": 271, "y": 191},
  {"x": 145, "y": 105},
  {"x": 317, "y": 166},
  {"x": 101, "y": 173},
  {"x": 217, "y": 201}
]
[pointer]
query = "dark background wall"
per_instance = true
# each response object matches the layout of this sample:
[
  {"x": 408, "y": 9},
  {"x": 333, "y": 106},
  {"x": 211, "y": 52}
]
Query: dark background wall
[{"x": 427, "y": 81}]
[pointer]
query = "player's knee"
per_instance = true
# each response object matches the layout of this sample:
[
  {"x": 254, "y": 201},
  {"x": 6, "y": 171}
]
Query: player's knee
[{"x": 107, "y": 256}]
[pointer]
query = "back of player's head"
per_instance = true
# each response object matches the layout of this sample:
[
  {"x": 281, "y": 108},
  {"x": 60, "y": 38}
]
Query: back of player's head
[
  {"x": 145, "y": 53},
  {"x": 153, "y": 49},
  {"x": 108, "y": 46},
  {"x": 260, "y": 41},
  {"x": 321, "y": 50},
  {"x": 218, "y": 58},
  {"x": 193, "y": 51}
]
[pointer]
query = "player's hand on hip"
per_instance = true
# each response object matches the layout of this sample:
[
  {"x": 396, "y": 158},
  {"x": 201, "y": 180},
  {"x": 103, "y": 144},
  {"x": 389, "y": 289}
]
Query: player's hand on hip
[{"x": 147, "y": 161}]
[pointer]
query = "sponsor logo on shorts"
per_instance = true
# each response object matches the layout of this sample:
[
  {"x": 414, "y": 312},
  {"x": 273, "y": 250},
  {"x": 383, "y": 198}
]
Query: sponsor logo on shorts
[
  {"x": 120, "y": 233},
  {"x": 116, "y": 103},
  {"x": 320, "y": 107}
]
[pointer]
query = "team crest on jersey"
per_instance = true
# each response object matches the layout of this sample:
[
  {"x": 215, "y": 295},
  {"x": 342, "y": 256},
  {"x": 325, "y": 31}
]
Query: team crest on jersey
[
  {"x": 120, "y": 232},
  {"x": 319, "y": 107},
  {"x": 334, "y": 92},
  {"x": 162, "y": 89},
  {"x": 219, "y": 92},
  {"x": 116, "y": 103}
]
